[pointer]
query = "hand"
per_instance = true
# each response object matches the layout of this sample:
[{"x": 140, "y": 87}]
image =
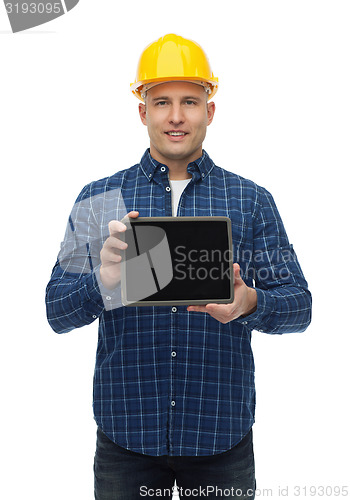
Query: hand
[
  {"x": 245, "y": 302},
  {"x": 110, "y": 255}
]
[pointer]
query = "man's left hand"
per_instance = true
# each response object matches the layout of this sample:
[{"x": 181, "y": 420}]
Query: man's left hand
[{"x": 245, "y": 302}]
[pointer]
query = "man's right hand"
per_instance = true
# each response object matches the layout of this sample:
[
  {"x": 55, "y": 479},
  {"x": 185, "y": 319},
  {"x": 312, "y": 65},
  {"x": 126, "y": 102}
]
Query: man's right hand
[{"x": 110, "y": 253}]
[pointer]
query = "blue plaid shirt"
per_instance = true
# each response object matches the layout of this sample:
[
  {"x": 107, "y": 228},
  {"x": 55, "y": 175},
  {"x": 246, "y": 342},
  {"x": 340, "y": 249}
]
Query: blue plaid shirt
[{"x": 168, "y": 381}]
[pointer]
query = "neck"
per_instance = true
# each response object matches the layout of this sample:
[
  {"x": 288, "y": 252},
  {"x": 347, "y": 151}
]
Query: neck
[
  {"x": 177, "y": 167},
  {"x": 178, "y": 174}
]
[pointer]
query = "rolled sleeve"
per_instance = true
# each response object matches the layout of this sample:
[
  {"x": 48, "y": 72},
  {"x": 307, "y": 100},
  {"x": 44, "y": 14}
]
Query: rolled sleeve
[{"x": 283, "y": 298}]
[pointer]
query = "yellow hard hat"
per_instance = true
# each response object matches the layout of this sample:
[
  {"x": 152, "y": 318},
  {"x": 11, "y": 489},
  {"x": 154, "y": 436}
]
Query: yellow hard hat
[{"x": 173, "y": 58}]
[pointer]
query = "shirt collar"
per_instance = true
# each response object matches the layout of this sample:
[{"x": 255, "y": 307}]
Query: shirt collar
[{"x": 199, "y": 168}]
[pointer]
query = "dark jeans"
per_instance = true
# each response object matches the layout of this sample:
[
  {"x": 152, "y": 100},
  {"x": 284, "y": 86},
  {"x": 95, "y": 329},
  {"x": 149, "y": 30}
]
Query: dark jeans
[{"x": 121, "y": 474}]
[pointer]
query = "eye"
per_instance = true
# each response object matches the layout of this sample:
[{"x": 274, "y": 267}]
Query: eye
[
  {"x": 190, "y": 103},
  {"x": 160, "y": 103}
]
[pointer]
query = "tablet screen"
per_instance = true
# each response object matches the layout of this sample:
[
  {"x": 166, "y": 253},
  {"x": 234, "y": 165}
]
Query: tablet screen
[{"x": 180, "y": 260}]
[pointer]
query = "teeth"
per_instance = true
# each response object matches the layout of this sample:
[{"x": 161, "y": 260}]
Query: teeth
[{"x": 176, "y": 133}]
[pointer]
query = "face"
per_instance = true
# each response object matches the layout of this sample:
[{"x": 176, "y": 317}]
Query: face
[{"x": 176, "y": 115}]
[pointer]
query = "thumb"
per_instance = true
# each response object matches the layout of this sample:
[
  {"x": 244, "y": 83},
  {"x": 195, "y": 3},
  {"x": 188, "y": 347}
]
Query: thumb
[{"x": 237, "y": 273}]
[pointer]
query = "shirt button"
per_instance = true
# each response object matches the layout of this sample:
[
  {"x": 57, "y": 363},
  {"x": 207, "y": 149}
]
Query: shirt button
[
  {"x": 162, "y": 169},
  {"x": 108, "y": 297},
  {"x": 168, "y": 189},
  {"x": 94, "y": 316},
  {"x": 174, "y": 309},
  {"x": 244, "y": 322},
  {"x": 173, "y": 403},
  {"x": 173, "y": 354}
]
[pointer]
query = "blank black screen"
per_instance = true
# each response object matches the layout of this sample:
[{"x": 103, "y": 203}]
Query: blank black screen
[{"x": 200, "y": 256}]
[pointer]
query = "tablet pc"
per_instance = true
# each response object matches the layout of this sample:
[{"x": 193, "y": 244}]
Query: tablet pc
[{"x": 177, "y": 261}]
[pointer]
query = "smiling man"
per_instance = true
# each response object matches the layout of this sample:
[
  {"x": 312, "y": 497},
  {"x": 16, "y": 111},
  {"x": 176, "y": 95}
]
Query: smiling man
[
  {"x": 177, "y": 115},
  {"x": 174, "y": 394}
]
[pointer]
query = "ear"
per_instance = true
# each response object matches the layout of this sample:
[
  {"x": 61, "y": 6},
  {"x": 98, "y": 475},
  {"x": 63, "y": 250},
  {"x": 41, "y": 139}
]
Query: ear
[
  {"x": 211, "y": 111},
  {"x": 142, "y": 113}
]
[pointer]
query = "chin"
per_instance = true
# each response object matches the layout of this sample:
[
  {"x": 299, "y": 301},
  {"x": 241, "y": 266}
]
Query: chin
[{"x": 178, "y": 154}]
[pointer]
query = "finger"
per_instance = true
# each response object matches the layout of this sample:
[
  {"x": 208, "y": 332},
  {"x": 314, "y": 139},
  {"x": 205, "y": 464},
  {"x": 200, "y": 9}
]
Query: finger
[
  {"x": 115, "y": 243},
  {"x": 110, "y": 257},
  {"x": 237, "y": 273},
  {"x": 131, "y": 215},
  {"x": 221, "y": 312},
  {"x": 116, "y": 226},
  {"x": 209, "y": 308},
  {"x": 197, "y": 308}
]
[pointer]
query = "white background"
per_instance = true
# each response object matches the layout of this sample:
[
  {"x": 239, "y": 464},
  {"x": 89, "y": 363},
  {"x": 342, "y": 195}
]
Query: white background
[{"x": 67, "y": 117}]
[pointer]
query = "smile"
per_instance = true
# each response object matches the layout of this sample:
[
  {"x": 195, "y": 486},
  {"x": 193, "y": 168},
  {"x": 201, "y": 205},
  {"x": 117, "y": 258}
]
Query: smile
[{"x": 176, "y": 135}]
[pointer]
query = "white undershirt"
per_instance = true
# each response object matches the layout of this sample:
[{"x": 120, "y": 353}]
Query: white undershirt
[{"x": 176, "y": 190}]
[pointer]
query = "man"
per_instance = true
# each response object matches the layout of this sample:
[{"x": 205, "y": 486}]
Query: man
[{"x": 174, "y": 394}]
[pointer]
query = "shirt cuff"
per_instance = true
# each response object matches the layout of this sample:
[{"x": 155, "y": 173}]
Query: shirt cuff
[
  {"x": 265, "y": 306},
  {"x": 111, "y": 299}
]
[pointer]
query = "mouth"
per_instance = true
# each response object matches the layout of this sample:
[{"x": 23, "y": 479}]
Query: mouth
[{"x": 176, "y": 135}]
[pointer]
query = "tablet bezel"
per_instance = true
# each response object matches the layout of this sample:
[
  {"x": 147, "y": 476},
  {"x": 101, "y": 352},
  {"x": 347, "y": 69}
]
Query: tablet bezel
[{"x": 128, "y": 221}]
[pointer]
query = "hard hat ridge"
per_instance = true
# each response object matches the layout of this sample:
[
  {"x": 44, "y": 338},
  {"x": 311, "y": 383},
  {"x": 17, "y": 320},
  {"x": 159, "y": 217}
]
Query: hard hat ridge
[{"x": 145, "y": 88}]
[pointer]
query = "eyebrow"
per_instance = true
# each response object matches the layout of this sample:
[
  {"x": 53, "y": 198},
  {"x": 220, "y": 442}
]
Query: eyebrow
[{"x": 166, "y": 98}]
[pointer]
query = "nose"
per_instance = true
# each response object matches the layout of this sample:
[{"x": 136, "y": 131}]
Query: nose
[{"x": 176, "y": 116}]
